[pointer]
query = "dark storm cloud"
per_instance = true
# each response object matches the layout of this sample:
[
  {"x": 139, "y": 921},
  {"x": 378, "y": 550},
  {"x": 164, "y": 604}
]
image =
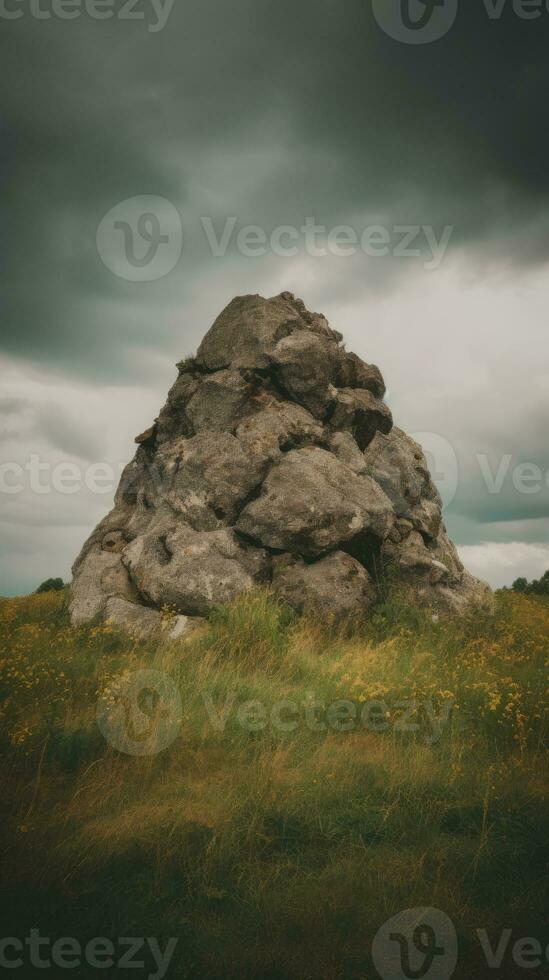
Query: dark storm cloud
[
  {"x": 71, "y": 436},
  {"x": 70, "y": 432},
  {"x": 350, "y": 122}
]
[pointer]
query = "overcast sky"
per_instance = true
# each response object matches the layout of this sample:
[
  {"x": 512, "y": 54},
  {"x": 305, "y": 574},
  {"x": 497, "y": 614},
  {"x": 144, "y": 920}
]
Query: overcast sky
[{"x": 249, "y": 112}]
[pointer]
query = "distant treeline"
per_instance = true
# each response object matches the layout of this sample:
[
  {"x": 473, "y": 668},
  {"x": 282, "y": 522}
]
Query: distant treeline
[
  {"x": 538, "y": 586},
  {"x": 51, "y": 585}
]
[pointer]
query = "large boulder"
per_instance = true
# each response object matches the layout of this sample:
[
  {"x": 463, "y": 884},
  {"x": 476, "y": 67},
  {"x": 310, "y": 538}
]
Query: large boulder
[
  {"x": 247, "y": 330},
  {"x": 337, "y": 584},
  {"x": 147, "y": 624},
  {"x": 207, "y": 478},
  {"x": 274, "y": 460},
  {"x": 310, "y": 503},
  {"x": 398, "y": 464},
  {"x": 100, "y": 576},
  {"x": 362, "y": 414},
  {"x": 305, "y": 365},
  {"x": 190, "y": 571}
]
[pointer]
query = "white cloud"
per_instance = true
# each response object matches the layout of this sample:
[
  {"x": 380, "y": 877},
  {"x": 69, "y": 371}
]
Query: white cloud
[
  {"x": 60, "y": 422},
  {"x": 500, "y": 564}
]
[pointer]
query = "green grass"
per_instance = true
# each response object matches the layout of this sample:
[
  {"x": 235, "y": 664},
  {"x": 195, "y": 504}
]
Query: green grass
[{"x": 277, "y": 852}]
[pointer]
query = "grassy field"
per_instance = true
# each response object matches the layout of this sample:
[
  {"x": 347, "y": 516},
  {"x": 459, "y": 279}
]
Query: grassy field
[{"x": 317, "y": 782}]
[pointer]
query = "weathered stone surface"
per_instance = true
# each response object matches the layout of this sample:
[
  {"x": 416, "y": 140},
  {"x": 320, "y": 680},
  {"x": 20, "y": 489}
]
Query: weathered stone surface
[
  {"x": 414, "y": 559},
  {"x": 398, "y": 464},
  {"x": 336, "y": 586},
  {"x": 145, "y": 623},
  {"x": 449, "y": 600},
  {"x": 279, "y": 425},
  {"x": 206, "y": 479},
  {"x": 355, "y": 373},
  {"x": 426, "y": 517},
  {"x": 182, "y": 627},
  {"x": 133, "y": 618},
  {"x": 273, "y": 440},
  {"x": 134, "y": 482},
  {"x": 445, "y": 551},
  {"x": 101, "y": 575},
  {"x": 431, "y": 573},
  {"x": 306, "y": 366},
  {"x": 219, "y": 403},
  {"x": 193, "y": 571},
  {"x": 344, "y": 446},
  {"x": 147, "y": 436},
  {"x": 362, "y": 414},
  {"x": 310, "y": 503},
  {"x": 173, "y": 420},
  {"x": 247, "y": 330},
  {"x": 315, "y": 321}
]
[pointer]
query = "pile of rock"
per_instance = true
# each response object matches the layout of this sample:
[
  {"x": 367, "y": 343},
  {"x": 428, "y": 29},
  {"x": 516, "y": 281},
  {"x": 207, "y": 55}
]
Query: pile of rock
[{"x": 274, "y": 460}]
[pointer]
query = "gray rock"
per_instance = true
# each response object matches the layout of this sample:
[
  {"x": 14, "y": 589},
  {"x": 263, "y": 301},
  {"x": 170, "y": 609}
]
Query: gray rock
[
  {"x": 273, "y": 439},
  {"x": 355, "y": 373},
  {"x": 219, "y": 403},
  {"x": 316, "y": 322},
  {"x": 207, "y": 478},
  {"x": 100, "y": 575},
  {"x": 182, "y": 627},
  {"x": 449, "y": 600},
  {"x": 344, "y": 446},
  {"x": 426, "y": 517},
  {"x": 147, "y": 437},
  {"x": 279, "y": 425},
  {"x": 173, "y": 421},
  {"x": 193, "y": 571},
  {"x": 398, "y": 464},
  {"x": 138, "y": 482},
  {"x": 247, "y": 330},
  {"x": 445, "y": 551},
  {"x": 310, "y": 502},
  {"x": 136, "y": 619},
  {"x": 471, "y": 594},
  {"x": 362, "y": 414},
  {"x": 306, "y": 365},
  {"x": 413, "y": 559},
  {"x": 145, "y": 624},
  {"x": 336, "y": 586},
  {"x": 431, "y": 574}
]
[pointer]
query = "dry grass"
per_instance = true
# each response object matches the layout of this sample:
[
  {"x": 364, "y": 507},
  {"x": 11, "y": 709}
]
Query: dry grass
[{"x": 278, "y": 853}]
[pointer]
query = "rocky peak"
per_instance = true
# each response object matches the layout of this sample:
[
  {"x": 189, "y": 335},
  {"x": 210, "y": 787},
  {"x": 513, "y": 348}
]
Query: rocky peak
[{"x": 274, "y": 460}]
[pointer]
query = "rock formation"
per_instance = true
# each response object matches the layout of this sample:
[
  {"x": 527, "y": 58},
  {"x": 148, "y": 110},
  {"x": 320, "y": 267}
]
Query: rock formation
[{"x": 274, "y": 460}]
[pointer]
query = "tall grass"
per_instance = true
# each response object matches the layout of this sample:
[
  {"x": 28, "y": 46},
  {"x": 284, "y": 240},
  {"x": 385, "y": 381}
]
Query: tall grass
[{"x": 277, "y": 850}]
